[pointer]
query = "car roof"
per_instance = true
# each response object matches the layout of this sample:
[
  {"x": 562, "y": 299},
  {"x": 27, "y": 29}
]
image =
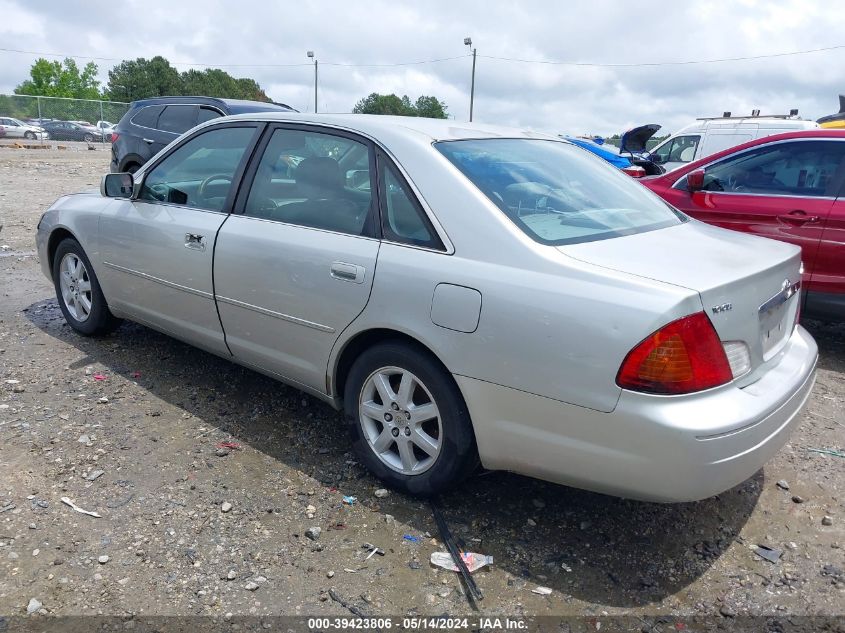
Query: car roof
[
  {"x": 737, "y": 123},
  {"x": 820, "y": 133},
  {"x": 377, "y": 125},
  {"x": 233, "y": 105}
]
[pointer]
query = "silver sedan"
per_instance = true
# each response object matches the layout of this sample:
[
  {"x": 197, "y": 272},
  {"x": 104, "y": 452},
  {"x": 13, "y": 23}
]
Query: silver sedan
[{"x": 465, "y": 294}]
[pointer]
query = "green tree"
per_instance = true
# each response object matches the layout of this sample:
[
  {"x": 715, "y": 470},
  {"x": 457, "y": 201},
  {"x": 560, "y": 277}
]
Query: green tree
[
  {"x": 142, "y": 78},
  {"x": 156, "y": 77},
  {"x": 431, "y": 107},
  {"x": 391, "y": 104},
  {"x": 61, "y": 79},
  {"x": 214, "y": 82}
]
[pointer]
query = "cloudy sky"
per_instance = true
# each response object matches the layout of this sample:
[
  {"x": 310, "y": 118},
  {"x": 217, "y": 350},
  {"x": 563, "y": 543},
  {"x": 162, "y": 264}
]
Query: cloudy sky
[{"x": 365, "y": 47}]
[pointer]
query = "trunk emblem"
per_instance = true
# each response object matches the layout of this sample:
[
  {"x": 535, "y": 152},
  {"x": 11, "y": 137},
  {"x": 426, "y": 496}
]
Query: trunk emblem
[{"x": 725, "y": 307}]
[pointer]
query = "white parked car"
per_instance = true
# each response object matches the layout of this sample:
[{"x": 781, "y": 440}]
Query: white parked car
[
  {"x": 711, "y": 135},
  {"x": 16, "y": 128},
  {"x": 106, "y": 128}
]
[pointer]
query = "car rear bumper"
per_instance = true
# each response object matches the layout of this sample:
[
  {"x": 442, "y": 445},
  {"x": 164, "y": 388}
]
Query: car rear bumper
[{"x": 655, "y": 448}]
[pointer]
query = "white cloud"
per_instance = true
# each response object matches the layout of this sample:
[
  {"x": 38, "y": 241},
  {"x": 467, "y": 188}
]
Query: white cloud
[{"x": 554, "y": 97}]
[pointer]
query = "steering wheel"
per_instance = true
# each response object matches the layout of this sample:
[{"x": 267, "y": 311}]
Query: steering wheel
[
  {"x": 204, "y": 184},
  {"x": 733, "y": 184}
]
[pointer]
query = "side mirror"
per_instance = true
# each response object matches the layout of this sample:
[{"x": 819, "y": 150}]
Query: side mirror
[
  {"x": 657, "y": 159},
  {"x": 695, "y": 180},
  {"x": 117, "y": 185}
]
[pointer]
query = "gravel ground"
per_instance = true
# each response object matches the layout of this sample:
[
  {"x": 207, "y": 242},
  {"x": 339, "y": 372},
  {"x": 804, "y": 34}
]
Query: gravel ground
[{"x": 131, "y": 426}]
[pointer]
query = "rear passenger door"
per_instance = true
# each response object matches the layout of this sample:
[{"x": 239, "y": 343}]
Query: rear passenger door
[
  {"x": 173, "y": 121},
  {"x": 294, "y": 264}
]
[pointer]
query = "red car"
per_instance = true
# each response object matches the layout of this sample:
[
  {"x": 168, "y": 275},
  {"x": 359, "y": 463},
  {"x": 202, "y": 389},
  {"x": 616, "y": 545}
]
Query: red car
[{"x": 788, "y": 187}]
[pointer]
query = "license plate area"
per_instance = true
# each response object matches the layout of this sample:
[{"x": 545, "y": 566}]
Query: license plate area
[
  {"x": 775, "y": 322},
  {"x": 773, "y": 328}
]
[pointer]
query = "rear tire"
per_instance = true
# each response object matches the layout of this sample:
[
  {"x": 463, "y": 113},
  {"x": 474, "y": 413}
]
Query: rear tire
[
  {"x": 407, "y": 419},
  {"x": 131, "y": 168},
  {"x": 78, "y": 291}
]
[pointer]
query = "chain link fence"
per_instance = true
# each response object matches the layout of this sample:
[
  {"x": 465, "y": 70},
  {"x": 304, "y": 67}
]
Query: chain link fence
[{"x": 39, "y": 110}]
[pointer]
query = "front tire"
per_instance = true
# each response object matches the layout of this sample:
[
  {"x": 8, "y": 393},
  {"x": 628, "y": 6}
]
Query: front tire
[
  {"x": 78, "y": 291},
  {"x": 30, "y": 135},
  {"x": 408, "y": 421},
  {"x": 88, "y": 138}
]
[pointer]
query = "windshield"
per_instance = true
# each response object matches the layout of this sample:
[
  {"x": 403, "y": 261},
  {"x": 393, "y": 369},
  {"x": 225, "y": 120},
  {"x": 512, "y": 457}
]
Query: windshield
[{"x": 557, "y": 193}]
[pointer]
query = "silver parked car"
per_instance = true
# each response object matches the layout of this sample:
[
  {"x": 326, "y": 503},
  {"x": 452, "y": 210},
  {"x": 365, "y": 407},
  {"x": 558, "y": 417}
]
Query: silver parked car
[
  {"x": 464, "y": 293},
  {"x": 15, "y": 128}
]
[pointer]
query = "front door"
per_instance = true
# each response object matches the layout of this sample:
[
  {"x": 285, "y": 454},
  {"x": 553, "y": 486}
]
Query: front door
[
  {"x": 294, "y": 266},
  {"x": 157, "y": 248},
  {"x": 783, "y": 190}
]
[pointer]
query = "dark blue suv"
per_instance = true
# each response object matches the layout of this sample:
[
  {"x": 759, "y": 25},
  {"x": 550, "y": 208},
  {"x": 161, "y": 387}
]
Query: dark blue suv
[{"x": 152, "y": 123}]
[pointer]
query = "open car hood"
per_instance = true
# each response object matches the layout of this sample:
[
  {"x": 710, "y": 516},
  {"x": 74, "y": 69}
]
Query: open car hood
[
  {"x": 634, "y": 140},
  {"x": 835, "y": 117}
]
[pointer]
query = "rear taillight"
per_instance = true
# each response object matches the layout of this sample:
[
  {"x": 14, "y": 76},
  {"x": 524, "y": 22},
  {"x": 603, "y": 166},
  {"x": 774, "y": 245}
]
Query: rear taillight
[
  {"x": 634, "y": 171},
  {"x": 681, "y": 357},
  {"x": 114, "y": 136}
]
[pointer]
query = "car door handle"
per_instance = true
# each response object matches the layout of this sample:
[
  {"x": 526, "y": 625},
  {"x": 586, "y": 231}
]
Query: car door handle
[
  {"x": 798, "y": 218},
  {"x": 194, "y": 241},
  {"x": 148, "y": 141},
  {"x": 348, "y": 272}
]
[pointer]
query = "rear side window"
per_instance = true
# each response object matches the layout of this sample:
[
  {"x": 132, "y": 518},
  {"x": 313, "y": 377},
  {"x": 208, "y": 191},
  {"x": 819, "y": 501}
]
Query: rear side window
[
  {"x": 206, "y": 114},
  {"x": 403, "y": 220},
  {"x": 314, "y": 179},
  {"x": 178, "y": 118},
  {"x": 557, "y": 193},
  {"x": 147, "y": 116}
]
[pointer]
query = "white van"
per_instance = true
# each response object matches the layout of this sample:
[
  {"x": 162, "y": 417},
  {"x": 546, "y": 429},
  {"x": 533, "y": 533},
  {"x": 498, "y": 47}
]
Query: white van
[{"x": 710, "y": 135}]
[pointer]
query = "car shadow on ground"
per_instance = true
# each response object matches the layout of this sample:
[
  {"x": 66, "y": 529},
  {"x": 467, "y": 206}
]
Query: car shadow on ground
[{"x": 589, "y": 546}]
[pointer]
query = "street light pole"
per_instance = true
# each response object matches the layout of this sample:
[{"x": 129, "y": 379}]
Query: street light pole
[
  {"x": 468, "y": 42},
  {"x": 311, "y": 54}
]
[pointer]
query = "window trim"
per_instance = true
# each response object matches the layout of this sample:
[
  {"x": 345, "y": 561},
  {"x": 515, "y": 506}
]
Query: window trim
[
  {"x": 237, "y": 177},
  {"x": 163, "y": 107},
  {"x": 680, "y": 183},
  {"x": 384, "y": 162}
]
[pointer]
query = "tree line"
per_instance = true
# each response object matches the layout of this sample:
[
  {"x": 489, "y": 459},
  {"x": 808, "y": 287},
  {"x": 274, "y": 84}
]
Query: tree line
[{"x": 143, "y": 78}]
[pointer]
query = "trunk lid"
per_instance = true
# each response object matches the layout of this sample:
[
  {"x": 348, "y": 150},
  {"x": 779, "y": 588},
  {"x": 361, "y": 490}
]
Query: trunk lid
[
  {"x": 747, "y": 284},
  {"x": 635, "y": 139}
]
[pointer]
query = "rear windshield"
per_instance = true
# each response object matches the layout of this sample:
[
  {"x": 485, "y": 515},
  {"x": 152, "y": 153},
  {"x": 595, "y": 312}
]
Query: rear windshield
[{"x": 558, "y": 193}]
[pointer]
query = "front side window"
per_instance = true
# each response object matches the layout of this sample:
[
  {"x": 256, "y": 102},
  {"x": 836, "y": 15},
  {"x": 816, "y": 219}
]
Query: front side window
[
  {"x": 798, "y": 168},
  {"x": 557, "y": 193},
  {"x": 178, "y": 118},
  {"x": 199, "y": 173},
  {"x": 680, "y": 149},
  {"x": 314, "y": 179}
]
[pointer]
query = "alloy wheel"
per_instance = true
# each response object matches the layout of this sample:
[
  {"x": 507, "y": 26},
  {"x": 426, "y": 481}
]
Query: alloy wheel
[
  {"x": 75, "y": 286},
  {"x": 400, "y": 420}
]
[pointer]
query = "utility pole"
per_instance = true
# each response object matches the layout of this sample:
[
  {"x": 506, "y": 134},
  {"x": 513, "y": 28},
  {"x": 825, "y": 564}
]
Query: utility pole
[
  {"x": 468, "y": 42},
  {"x": 311, "y": 54}
]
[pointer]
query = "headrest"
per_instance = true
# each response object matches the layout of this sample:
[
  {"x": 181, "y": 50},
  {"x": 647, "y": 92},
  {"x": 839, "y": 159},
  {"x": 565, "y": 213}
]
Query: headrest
[{"x": 320, "y": 171}]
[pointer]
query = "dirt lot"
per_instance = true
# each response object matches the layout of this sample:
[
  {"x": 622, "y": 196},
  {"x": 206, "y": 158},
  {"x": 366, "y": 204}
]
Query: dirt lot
[{"x": 129, "y": 426}]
